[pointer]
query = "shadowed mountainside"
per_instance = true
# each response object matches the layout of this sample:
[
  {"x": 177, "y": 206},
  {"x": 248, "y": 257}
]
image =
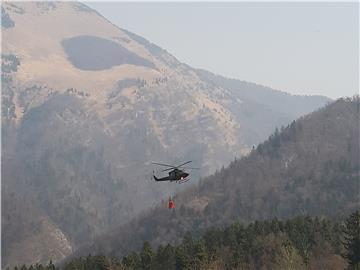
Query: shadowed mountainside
[{"x": 93, "y": 53}]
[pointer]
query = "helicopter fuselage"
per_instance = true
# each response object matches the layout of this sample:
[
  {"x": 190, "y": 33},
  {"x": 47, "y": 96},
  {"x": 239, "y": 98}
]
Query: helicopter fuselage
[{"x": 174, "y": 175}]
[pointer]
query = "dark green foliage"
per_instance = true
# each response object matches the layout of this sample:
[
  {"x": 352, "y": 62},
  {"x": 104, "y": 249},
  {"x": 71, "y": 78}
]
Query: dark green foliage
[
  {"x": 165, "y": 257},
  {"x": 91, "y": 262},
  {"x": 191, "y": 254},
  {"x": 38, "y": 266},
  {"x": 297, "y": 243},
  {"x": 259, "y": 245},
  {"x": 352, "y": 240},
  {"x": 132, "y": 261},
  {"x": 147, "y": 257}
]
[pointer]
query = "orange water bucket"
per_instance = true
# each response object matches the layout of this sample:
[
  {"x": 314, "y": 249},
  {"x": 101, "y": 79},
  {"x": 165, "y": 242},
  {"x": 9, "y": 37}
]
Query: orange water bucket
[{"x": 171, "y": 204}]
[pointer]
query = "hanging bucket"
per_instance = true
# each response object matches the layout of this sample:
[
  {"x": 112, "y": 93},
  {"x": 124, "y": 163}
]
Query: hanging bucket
[{"x": 171, "y": 204}]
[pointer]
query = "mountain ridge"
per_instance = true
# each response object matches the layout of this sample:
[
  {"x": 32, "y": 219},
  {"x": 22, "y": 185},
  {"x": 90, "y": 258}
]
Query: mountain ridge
[{"x": 81, "y": 140}]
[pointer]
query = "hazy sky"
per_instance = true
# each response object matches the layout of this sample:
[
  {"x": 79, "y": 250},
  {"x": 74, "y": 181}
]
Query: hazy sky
[{"x": 301, "y": 48}]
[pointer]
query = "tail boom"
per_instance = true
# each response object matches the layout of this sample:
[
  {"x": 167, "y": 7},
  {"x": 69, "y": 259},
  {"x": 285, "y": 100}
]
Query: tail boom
[{"x": 161, "y": 179}]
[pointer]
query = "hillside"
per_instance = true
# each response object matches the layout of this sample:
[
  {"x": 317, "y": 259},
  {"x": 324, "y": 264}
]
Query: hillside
[
  {"x": 86, "y": 106},
  {"x": 260, "y": 104},
  {"x": 311, "y": 167},
  {"x": 297, "y": 243}
]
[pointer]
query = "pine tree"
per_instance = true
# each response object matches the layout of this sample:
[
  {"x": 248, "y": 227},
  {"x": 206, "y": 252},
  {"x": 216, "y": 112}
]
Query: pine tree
[
  {"x": 352, "y": 240},
  {"x": 50, "y": 266},
  {"x": 289, "y": 258},
  {"x": 101, "y": 263},
  {"x": 200, "y": 255},
  {"x": 132, "y": 261},
  {"x": 182, "y": 260},
  {"x": 165, "y": 258},
  {"x": 147, "y": 257}
]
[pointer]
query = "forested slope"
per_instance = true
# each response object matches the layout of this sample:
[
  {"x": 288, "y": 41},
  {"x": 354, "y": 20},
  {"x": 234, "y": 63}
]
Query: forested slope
[
  {"x": 310, "y": 167},
  {"x": 297, "y": 243}
]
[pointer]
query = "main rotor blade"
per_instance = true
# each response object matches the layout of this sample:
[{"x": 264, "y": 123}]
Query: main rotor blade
[
  {"x": 183, "y": 164},
  {"x": 163, "y": 164},
  {"x": 168, "y": 169},
  {"x": 191, "y": 168}
]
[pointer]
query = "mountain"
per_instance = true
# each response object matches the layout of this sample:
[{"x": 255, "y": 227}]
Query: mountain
[
  {"x": 311, "y": 167},
  {"x": 261, "y": 104},
  {"x": 41, "y": 238},
  {"x": 86, "y": 106}
]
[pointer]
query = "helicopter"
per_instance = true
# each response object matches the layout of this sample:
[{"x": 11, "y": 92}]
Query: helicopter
[{"x": 176, "y": 174}]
